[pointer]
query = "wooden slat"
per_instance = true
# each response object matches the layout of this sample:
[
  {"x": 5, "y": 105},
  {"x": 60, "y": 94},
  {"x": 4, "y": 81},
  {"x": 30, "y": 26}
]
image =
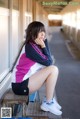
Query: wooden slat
[{"x": 34, "y": 110}]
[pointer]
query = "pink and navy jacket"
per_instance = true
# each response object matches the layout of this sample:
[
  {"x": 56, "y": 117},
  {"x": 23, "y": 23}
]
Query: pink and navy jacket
[{"x": 31, "y": 59}]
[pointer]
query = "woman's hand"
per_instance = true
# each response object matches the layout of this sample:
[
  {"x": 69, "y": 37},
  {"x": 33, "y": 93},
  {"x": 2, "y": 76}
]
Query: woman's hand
[{"x": 40, "y": 42}]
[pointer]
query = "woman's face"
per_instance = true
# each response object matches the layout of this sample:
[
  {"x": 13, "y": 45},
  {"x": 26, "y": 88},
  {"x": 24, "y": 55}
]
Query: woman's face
[{"x": 41, "y": 35}]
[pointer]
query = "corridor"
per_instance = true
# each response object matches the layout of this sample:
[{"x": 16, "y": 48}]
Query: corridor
[
  {"x": 62, "y": 23},
  {"x": 68, "y": 85}
]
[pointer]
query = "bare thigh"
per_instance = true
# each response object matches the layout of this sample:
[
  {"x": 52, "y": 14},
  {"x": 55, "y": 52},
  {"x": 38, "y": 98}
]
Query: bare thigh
[{"x": 38, "y": 79}]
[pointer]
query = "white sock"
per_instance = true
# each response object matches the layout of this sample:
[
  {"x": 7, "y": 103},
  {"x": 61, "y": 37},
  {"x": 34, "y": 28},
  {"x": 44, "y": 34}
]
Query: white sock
[{"x": 49, "y": 101}]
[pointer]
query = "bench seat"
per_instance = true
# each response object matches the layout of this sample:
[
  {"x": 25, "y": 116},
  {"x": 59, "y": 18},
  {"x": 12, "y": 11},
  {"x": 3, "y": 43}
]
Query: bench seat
[{"x": 10, "y": 99}]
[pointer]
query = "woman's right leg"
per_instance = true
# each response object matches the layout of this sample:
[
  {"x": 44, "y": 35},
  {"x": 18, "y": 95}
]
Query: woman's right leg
[{"x": 49, "y": 76}]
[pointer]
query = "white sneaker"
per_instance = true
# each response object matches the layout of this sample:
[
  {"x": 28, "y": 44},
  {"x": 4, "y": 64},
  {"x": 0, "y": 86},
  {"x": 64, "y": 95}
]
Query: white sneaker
[
  {"x": 51, "y": 108},
  {"x": 55, "y": 102}
]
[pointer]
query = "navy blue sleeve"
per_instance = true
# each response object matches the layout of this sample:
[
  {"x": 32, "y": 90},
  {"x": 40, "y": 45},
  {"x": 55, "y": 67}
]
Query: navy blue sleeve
[
  {"x": 49, "y": 52},
  {"x": 47, "y": 47},
  {"x": 40, "y": 57}
]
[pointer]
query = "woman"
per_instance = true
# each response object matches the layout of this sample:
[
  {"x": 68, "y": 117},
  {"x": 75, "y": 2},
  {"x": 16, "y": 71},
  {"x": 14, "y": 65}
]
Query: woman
[{"x": 34, "y": 68}]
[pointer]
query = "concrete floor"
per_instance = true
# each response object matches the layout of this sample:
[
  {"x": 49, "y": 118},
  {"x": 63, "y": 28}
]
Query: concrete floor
[{"x": 68, "y": 85}]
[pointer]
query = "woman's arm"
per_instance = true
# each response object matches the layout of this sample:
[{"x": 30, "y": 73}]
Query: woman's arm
[
  {"x": 35, "y": 54},
  {"x": 47, "y": 47}
]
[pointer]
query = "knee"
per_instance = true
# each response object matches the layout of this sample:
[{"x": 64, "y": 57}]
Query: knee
[{"x": 54, "y": 69}]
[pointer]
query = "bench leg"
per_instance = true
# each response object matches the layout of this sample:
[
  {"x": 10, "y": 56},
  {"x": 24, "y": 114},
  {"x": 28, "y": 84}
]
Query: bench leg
[
  {"x": 15, "y": 109},
  {"x": 24, "y": 109}
]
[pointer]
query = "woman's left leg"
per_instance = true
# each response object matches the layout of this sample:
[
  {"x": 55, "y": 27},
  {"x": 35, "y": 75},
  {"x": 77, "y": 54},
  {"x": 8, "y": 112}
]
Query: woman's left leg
[{"x": 49, "y": 76}]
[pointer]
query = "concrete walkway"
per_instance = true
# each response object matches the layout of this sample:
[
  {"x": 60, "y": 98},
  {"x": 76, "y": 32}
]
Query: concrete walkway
[{"x": 68, "y": 85}]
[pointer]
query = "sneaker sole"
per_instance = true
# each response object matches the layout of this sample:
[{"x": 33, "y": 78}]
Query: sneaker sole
[{"x": 44, "y": 109}]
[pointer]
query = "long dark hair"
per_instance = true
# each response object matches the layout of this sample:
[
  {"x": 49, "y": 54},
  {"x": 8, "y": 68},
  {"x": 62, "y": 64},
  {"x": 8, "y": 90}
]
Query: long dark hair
[{"x": 33, "y": 29}]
